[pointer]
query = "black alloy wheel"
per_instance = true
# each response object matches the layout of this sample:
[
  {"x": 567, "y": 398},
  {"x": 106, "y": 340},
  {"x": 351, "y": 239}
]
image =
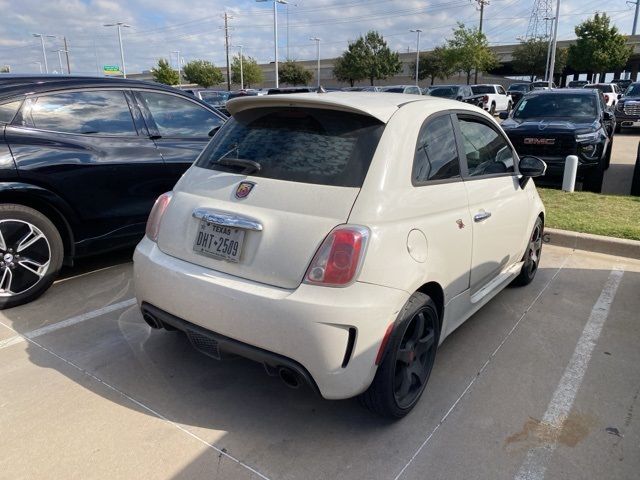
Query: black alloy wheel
[
  {"x": 532, "y": 256},
  {"x": 408, "y": 360},
  {"x": 30, "y": 254}
]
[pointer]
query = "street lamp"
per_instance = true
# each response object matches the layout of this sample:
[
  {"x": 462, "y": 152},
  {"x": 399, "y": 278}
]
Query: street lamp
[
  {"x": 275, "y": 32},
  {"x": 120, "y": 26},
  {"x": 317, "y": 40},
  {"x": 241, "y": 67},
  {"x": 418, "y": 32},
  {"x": 59, "y": 51},
  {"x": 39, "y": 66},
  {"x": 293, "y": 5},
  {"x": 44, "y": 53}
]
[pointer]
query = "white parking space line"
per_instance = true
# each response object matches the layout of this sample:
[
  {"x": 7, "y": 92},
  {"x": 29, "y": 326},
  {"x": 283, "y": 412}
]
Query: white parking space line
[
  {"x": 65, "y": 323},
  {"x": 482, "y": 369},
  {"x": 538, "y": 458},
  {"x": 220, "y": 452}
]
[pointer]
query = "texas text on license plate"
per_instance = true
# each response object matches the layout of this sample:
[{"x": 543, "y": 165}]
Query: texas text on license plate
[{"x": 218, "y": 241}]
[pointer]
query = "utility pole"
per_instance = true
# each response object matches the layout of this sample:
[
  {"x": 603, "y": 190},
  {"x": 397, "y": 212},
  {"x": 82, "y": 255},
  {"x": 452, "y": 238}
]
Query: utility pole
[
  {"x": 39, "y": 66},
  {"x": 66, "y": 51},
  {"x": 418, "y": 31},
  {"x": 481, "y": 3},
  {"x": 226, "y": 46},
  {"x": 317, "y": 40},
  {"x": 552, "y": 60},
  {"x": 177, "y": 52},
  {"x": 120, "y": 25},
  {"x": 635, "y": 17}
]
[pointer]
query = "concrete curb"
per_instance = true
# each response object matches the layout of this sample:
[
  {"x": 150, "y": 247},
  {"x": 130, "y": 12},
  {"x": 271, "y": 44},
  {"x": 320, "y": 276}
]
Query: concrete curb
[{"x": 593, "y": 243}]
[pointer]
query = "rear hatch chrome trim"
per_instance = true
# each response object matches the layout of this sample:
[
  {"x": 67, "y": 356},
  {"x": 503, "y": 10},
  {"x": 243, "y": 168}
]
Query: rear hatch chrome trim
[{"x": 227, "y": 219}]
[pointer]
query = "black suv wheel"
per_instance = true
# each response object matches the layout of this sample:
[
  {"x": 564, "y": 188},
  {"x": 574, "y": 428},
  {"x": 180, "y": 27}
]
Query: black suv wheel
[{"x": 31, "y": 254}]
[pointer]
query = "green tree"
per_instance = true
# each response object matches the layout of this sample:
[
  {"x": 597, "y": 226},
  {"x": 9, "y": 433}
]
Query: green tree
[
  {"x": 163, "y": 73},
  {"x": 350, "y": 66},
  {"x": 599, "y": 47},
  {"x": 251, "y": 72},
  {"x": 469, "y": 51},
  {"x": 203, "y": 73},
  {"x": 530, "y": 58},
  {"x": 293, "y": 73},
  {"x": 433, "y": 65},
  {"x": 379, "y": 61}
]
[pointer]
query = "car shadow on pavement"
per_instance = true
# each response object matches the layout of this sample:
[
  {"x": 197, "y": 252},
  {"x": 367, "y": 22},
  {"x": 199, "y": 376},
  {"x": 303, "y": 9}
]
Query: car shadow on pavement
[{"x": 256, "y": 418}]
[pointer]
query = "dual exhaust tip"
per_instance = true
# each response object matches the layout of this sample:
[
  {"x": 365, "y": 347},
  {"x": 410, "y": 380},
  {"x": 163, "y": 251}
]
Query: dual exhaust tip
[{"x": 288, "y": 376}]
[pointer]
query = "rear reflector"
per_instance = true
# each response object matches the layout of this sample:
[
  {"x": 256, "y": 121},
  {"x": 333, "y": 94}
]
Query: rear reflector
[
  {"x": 153, "y": 223},
  {"x": 338, "y": 260}
]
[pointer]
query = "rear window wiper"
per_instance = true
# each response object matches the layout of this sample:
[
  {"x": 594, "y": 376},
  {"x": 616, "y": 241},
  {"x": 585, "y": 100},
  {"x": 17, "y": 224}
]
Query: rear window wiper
[{"x": 249, "y": 165}]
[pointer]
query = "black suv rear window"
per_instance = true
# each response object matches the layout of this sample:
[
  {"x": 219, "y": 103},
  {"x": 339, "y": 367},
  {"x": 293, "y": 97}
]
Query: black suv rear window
[{"x": 307, "y": 145}]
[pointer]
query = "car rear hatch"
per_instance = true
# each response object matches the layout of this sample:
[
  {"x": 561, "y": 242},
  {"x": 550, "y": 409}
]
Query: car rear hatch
[{"x": 265, "y": 225}]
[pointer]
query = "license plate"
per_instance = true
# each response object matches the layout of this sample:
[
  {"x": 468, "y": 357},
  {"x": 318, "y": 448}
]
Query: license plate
[{"x": 218, "y": 241}]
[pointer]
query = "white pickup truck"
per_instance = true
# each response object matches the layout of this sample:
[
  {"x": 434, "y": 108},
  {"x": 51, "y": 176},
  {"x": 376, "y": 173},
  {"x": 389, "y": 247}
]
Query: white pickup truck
[{"x": 495, "y": 99}]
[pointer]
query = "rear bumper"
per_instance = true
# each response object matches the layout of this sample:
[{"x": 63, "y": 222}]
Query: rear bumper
[{"x": 306, "y": 329}]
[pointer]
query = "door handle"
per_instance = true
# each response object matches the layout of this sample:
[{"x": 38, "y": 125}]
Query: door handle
[{"x": 481, "y": 216}]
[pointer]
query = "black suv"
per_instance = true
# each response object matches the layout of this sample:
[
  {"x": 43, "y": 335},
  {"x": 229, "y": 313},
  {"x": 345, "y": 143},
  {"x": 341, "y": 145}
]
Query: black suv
[
  {"x": 81, "y": 162},
  {"x": 462, "y": 93},
  {"x": 518, "y": 90},
  {"x": 628, "y": 108},
  {"x": 552, "y": 124}
]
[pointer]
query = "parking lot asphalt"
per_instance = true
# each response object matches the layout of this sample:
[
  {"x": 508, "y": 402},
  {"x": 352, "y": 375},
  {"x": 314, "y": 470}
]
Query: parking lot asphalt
[
  {"x": 617, "y": 179},
  {"x": 543, "y": 382}
]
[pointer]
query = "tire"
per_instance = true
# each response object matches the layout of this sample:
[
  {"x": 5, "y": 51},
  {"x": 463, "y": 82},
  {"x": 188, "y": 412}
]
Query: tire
[
  {"x": 531, "y": 256},
  {"x": 407, "y": 361},
  {"x": 28, "y": 267},
  {"x": 635, "y": 182},
  {"x": 492, "y": 110},
  {"x": 618, "y": 128},
  {"x": 593, "y": 180}
]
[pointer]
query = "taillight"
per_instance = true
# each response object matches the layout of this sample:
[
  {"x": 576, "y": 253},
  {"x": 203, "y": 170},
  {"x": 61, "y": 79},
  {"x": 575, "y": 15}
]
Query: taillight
[
  {"x": 485, "y": 99},
  {"x": 155, "y": 217},
  {"x": 338, "y": 260},
  {"x": 606, "y": 98}
]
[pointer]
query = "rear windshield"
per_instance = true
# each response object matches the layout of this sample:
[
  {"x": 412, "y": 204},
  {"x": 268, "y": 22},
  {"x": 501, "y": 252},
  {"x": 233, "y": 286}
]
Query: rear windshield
[
  {"x": 446, "y": 92},
  {"x": 557, "y": 105},
  {"x": 394, "y": 90},
  {"x": 481, "y": 89},
  {"x": 307, "y": 145},
  {"x": 518, "y": 87}
]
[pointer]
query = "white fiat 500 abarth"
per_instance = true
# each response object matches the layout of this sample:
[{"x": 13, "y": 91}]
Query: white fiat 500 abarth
[{"x": 338, "y": 238}]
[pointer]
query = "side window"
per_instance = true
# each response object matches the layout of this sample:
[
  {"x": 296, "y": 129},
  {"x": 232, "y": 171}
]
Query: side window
[
  {"x": 8, "y": 111},
  {"x": 487, "y": 151},
  {"x": 501, "y": 90},
  {"x": 91, "y": 112},
  {"x": 179, "y": 117},
  {"x": 436, "y": 156}
]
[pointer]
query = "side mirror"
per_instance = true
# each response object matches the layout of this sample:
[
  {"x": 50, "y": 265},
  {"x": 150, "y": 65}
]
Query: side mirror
[
  {"x": 214, "y": 130},
  {"x": 531, "y": 167},
  {"x": 503, "y": 115},
  {"x": 619, "y": 96}
]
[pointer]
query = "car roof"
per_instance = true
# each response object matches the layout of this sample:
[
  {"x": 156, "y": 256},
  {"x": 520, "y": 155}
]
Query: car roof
[
  {"x": 11, "y": 85},
  {"x": 563, "y": 91},
  {"x": 381, "y": 106}
]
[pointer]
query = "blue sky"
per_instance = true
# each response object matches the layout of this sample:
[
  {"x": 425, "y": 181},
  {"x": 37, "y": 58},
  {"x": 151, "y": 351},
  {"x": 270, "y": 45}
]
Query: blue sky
[{"x": 194, "y": 27}]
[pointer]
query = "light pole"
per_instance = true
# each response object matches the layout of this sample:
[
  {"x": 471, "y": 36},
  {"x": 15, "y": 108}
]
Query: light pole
[
  {"x": 177, "y": 52},
  {"x": 60, "y": 59},
  {"x": 120, "y": 26},
  {"x": 417, "y": 31},
  {"x": 552, "y": 60},
  {"x": 241, "y": 67},
  {"x": 44, "y": 53},
  {"x": 275, "y": 32},
  {"x": 317, "y": 40},
  {"x": 39, "y": 66}
]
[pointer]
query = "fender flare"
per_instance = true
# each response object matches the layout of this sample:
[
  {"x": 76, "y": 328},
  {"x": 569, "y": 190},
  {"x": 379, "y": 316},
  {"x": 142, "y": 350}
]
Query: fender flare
[{"x": 38, "y": 197}]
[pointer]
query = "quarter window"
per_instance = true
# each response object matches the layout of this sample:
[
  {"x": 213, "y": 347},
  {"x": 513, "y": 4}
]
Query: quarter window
[
  {"x": 436, "y": 156},
  {"x": 179, "y": 117},
  {"x": 91, "y": 112},
  {"x": 486, "y": 151},
  {"x": 8, "y": 111}
]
